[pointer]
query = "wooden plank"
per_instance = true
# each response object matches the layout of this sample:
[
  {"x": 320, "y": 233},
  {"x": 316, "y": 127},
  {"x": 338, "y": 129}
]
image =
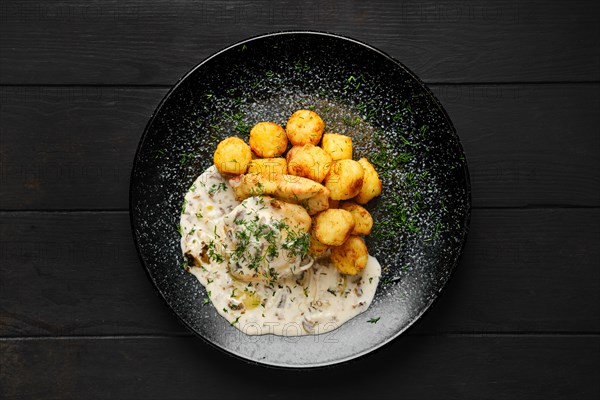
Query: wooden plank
[
  {"x": 72, "y": 148},
  {"x": 528, "y": 145},
  {"x": 136, "y": 42},
  {"x": 452, "y": 367},
  {"x": 78, "y": 274},
  {"x": 69, "y": 274}
]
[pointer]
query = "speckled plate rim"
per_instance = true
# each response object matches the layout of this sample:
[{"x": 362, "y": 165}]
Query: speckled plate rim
[{"x": 453, "y": 132}]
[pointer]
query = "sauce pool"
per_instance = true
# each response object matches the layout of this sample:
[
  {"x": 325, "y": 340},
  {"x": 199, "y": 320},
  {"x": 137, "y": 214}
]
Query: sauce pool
[{"x": 311, "y": 297}]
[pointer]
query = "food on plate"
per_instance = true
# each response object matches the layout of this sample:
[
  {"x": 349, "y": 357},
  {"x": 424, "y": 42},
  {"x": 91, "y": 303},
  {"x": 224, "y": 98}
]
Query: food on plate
[
  {"x": 267, "y": 139},
  {"x": 293, "y": 189},
  {"x": 309, "y": 161},
  {"x": 269, "y": 239},
  {"x": 345, "y": 179},
  {"x": 316, "y": 248},
  {"x": 333, "y": 226},
  {"x": 351, "y": 257},
  {"x": 232, "y": 156},
  {"x": 338, "y": 146},
  {"x": 305, "y": 126},
  {"x": 268, "y": 166},
  {"x": 275, "y": 249},
  {"x": 371, "y": 186},
  {"x": 362, "y": 218}
]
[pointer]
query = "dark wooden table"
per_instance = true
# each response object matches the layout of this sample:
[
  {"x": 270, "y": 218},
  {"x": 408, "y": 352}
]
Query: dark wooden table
[{"x": 78, "y": 317}]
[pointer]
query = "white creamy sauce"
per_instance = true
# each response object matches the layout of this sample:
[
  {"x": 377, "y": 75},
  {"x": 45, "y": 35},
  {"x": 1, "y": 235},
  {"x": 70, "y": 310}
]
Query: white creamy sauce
[{"x": 251, "y": 259}]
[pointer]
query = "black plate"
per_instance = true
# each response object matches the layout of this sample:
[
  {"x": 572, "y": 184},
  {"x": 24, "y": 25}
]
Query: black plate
[{"x": 421, "y": 219}]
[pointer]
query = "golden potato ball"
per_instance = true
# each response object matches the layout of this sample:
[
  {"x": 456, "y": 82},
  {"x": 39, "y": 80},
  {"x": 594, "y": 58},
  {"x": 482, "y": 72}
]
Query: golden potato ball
[
  {"x": 339, "y": 147},
  {"x": 351, "y": 257},
  {"x": 345, "y": 179},
  {"x": 305, "y": 126},
  {"x": 309, "y": 161},
  {"x": 268, "y": 167},
  {"x": 232, "y": 156},
  {"x": 267, "y": 140},
  {"x": 316, "y": 248},
  {"x": 363, "y": 222},
  {"x": 371, "y": 186},
  {"x": 333, "y": 226}
]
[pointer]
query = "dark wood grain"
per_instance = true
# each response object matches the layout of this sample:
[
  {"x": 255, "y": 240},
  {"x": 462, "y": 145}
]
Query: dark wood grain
[
  {"x": 447, "y": 367},
  {"x": 72, "y": 148},
  {"x": 78, "y": 274},
  {"x": 137, "y": 42}
]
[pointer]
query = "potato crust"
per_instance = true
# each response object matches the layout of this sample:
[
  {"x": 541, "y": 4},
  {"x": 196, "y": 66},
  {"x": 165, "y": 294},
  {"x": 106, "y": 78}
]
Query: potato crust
[
  {"x": 371, "y": 186},
  {"x": 362, "y": 218},
  {"x": 232, "y": 156},
  {"x": 267, "y": 140},
  {"x": 339, "y": 147},
  {"x": 268, "y": 166},
  {"x": 309, "y": 161},
  {"x": 316, "y": 248},
  {"x": 333, "y": 226},
  {"x": 305, "y": 126},
  {"x": 345, "y": 179},
  {"x": 351, "y": 257}
]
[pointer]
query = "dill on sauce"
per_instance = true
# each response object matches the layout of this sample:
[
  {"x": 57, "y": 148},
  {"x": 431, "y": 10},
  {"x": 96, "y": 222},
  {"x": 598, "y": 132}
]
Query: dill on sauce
[
  {"x": 216, "y": 188},
  {"x": 183, "y": 206},
  {"x": 213, "y": 255}
]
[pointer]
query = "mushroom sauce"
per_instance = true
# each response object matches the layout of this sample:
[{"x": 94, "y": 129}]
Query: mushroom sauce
[{"x": 252, "y": 259}]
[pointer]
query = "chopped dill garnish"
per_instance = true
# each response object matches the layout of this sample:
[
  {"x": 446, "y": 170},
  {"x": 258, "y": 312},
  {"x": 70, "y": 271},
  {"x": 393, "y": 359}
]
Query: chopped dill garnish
[
  {"x": 183, "y": 206},
  {"x": 374, "y": 320},
  {"x": 185, "y": 157},
  {"x": 351, "y": 121},
  {"x": 185, "y": 264},
  {"x": 215, "y": 188},
  {"x": 212, "y": 254}
]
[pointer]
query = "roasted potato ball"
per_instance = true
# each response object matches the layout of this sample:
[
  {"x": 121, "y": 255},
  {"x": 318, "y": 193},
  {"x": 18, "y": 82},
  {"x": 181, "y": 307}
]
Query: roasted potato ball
[
  {"x": 316, "y": 248},
  {"x": 351, "y": 257},
  {"x": 362, "y": 218},
  {"x": 345, "y": 179},
  {"x": 268, "y": 166},
  {"x": 232, "y": 156},
  {"x": 338, "y": 146},
  {"x": 305, "y": 126},
  {"x": 267, "y": 139},
  {"x": 333, "y": 226},
  {"x": 371, "y": 186},
  {"x": 309, "y": 161}
]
